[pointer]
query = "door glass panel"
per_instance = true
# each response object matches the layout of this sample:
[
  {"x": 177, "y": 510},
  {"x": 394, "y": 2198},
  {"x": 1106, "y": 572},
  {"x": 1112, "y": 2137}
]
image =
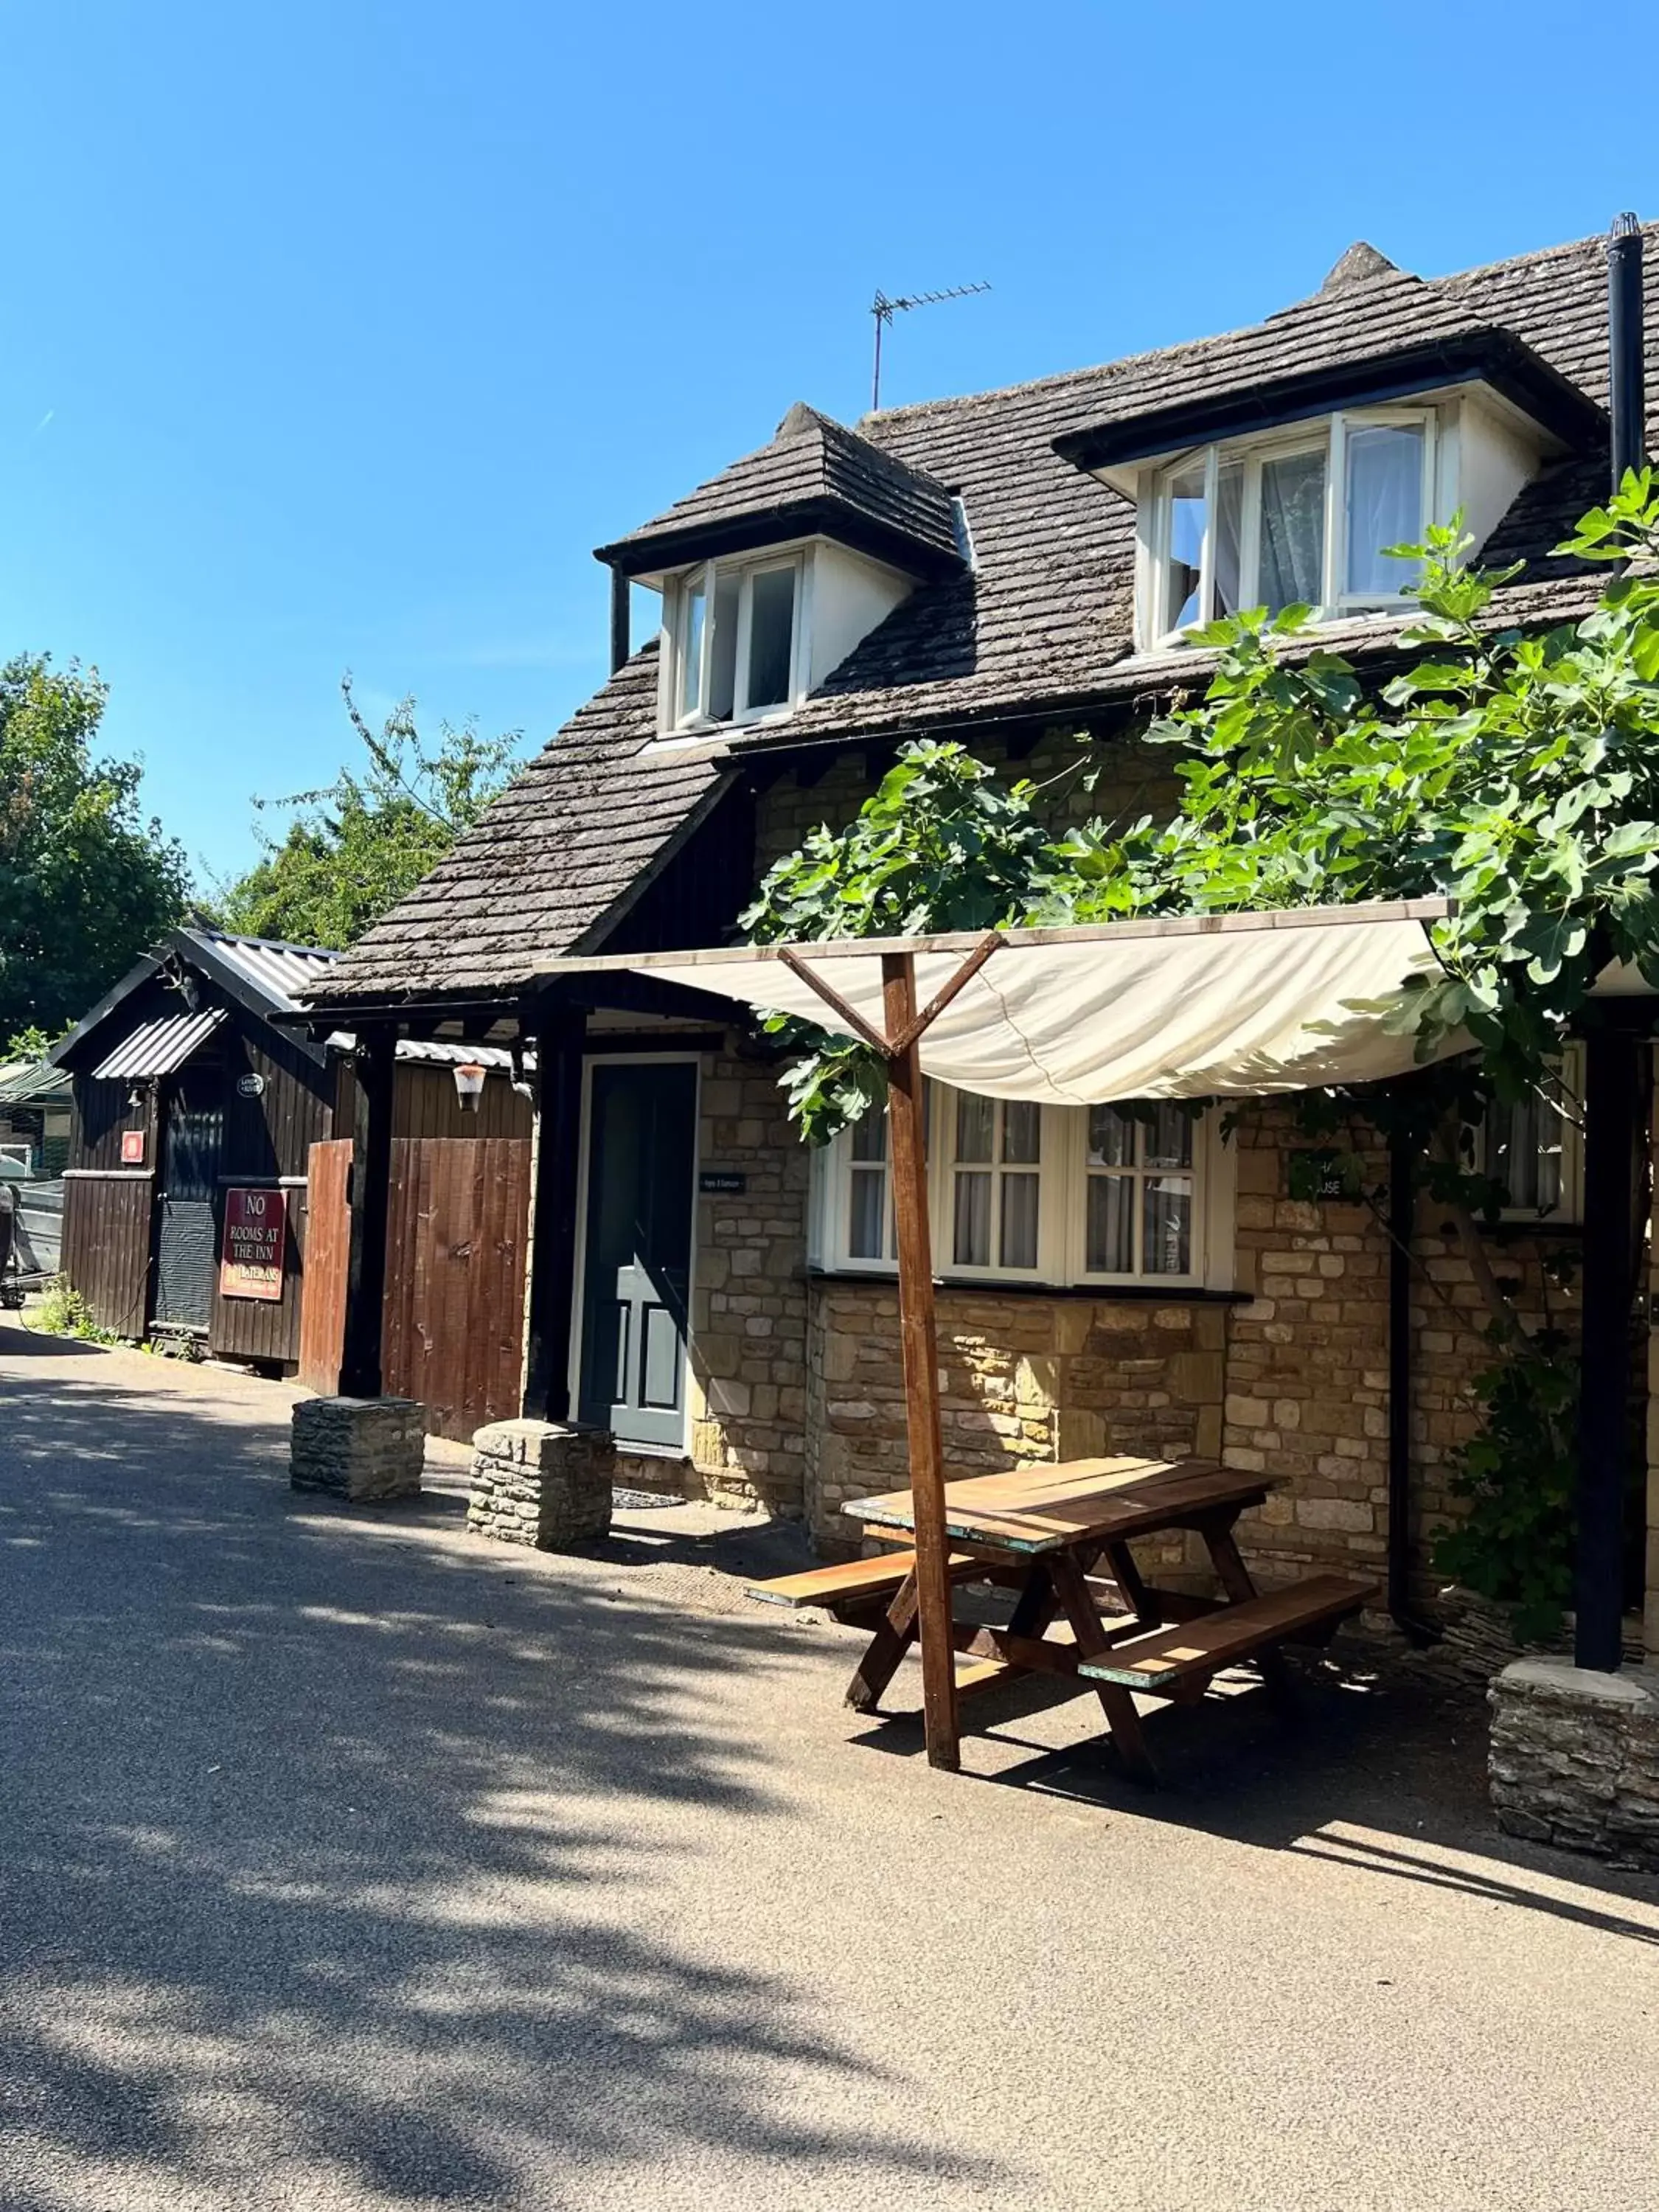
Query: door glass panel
[
  {"x": 1385, "y": 505},
  {"x": 1111, "y": 1226},
  {"x": 723, "y": 647},
  {"x": 1182, "y": 604},
  {"x": 1292, "y": 567},
  {"x": 659, "y": 1360},
  {"x": 771, "y": 636}
]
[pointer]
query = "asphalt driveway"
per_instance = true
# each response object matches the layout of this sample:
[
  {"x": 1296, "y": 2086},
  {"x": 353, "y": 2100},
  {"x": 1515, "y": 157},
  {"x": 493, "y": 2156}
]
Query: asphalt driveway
[{"x": 348, "y": 1862}]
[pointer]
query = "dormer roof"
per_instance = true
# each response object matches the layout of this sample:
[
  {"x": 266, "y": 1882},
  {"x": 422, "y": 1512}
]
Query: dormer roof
[
  {"x": 1477, "y": 354},
  {"x": 815, "y": 478}
]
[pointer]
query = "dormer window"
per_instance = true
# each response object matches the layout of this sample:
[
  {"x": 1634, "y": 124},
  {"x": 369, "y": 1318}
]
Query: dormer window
[
  {"x": 1301, "y": 517},
  {"x": 735, "y": 630}
]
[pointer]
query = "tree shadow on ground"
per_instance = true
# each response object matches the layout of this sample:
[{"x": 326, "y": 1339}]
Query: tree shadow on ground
[{"x": 329, "y": 1852}]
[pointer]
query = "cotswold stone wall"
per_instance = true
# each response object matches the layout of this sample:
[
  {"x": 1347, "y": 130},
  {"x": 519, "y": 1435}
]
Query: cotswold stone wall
[
  {"x": 749, "y": 1292},
  {"x": 1024, "y": 1375},
  {"x": 1288, "y": 1378}
]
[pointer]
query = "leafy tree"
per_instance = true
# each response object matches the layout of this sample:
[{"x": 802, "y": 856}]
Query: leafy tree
[
  {"x": 86, "y": 883},
  {"x": 1516, "y": 773},
  {"x": 360, "y": 842}
]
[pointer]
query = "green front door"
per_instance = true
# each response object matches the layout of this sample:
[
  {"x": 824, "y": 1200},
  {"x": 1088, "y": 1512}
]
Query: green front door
[{"x": 637, "y": 1278}]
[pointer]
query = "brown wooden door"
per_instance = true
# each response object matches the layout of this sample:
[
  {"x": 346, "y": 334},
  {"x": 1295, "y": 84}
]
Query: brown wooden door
[
  {"x": 456, "y": 1243},
  {"x": 328, "y": 1243}
]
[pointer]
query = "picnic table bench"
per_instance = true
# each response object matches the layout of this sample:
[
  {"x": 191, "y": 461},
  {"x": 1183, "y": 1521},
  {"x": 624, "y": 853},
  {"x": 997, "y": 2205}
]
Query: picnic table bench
[{"x": 1046, "y": 1532}]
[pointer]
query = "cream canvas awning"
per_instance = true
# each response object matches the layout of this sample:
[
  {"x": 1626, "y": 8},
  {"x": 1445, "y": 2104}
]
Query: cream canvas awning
[{"x": 1239, "y": 1005}]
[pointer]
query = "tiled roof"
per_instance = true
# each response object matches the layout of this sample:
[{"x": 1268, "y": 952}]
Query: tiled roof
[
  {"x": 550, "y": 858},
  {"x": 815, "y": 474},
  {"x": 1043, "y": 625}
]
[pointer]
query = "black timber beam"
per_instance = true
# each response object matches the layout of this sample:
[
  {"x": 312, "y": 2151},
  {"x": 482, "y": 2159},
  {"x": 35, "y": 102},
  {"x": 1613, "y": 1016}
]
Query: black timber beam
[
  {"x": 553, "y": 1224},
  {"x": 371, "y": 1197}
]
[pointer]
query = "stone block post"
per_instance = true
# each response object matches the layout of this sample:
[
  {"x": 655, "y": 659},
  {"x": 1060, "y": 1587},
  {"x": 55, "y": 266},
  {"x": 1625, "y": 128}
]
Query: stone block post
[
  {"x": 1575, "y": 1758},
  {"x": 363, "y": 1449},
  {"x": 543, "y": 1483}
]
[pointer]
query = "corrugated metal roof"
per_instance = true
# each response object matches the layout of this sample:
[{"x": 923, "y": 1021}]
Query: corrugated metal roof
[
  {"x": 157, "y": 1048},
  {"x": 29, "y": 1081},
  {"x": 282, "y": 972}
]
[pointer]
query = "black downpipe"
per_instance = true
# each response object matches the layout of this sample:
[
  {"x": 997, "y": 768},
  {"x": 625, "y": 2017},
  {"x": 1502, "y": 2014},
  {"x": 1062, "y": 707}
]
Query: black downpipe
[
  {"x": 1627, "y": 365},
  {"x": 622, "y": 645},
  {"x": 1402, "y": 1212}
]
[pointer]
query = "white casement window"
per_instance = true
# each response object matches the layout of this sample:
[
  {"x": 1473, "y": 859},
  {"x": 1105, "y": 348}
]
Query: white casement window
[
  {"x": 1140, "y": 1218},
  {"x": 994, "y": 1185},
  {"x": 1536, "y": 1148},
  {"x": 1059, "y": 1194},
  {"x": 1299, "y": 518},
  {"x": 735, "y": 628}
]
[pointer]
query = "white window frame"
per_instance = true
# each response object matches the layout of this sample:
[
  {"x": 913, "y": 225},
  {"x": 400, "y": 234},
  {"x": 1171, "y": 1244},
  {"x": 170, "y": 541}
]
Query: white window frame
[
  {"x": 678, "y": 722},
  {"x": 1568, "y": 1212},
  {"x": 1062, "y": 1200},
  {"x": 1327, "y": 434}
]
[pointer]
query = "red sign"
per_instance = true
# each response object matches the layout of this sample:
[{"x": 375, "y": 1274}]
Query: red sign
[
  {"x": 132, "y": 1148},
  {"x": 256, "y": 1229}
]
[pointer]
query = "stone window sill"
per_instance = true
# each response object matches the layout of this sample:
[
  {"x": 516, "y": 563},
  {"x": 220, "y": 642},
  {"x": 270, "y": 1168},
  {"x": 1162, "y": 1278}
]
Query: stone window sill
[{"x": 1177, "y": 1294}]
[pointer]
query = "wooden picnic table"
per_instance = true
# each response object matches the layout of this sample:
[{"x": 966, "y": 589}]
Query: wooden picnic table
[{"x": 1045, "y": 1531}]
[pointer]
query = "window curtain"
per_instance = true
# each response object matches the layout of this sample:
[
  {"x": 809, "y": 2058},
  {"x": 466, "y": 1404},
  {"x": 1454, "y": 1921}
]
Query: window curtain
[
  {"x": 1292, "y": 567},
  {"x": 1385, "y": 505}
]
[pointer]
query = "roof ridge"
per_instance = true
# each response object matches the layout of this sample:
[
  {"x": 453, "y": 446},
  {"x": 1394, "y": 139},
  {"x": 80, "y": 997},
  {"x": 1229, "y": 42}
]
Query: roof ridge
[{"x": 1058, "y": 378}]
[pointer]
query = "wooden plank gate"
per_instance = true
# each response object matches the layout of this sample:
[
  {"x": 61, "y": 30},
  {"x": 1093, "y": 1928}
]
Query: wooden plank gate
[{"x": 457, "y": 1240}]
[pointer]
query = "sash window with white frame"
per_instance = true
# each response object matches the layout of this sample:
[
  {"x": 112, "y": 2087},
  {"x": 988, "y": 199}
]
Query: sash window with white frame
[
  {"x": 1018, "y": 1191},
  {"x": 1301, "y": 517},
  {"x": 735, "y": 627}
]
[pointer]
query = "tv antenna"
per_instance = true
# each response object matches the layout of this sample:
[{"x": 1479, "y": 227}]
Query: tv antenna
[{"x": 885, "y": 309}]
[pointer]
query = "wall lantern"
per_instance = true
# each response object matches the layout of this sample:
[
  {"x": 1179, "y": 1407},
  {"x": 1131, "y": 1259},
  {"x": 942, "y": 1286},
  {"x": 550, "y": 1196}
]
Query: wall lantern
[{"x": 469, "y": 1085}]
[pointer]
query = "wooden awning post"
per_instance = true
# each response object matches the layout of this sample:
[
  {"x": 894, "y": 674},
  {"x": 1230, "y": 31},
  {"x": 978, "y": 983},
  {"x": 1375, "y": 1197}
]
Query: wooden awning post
[
  {"x": 919, "y": 1342},
  {"x": 907, "y": 1137}
]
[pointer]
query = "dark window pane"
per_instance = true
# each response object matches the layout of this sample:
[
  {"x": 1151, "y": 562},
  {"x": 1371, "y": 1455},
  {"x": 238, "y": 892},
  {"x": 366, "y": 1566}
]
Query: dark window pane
[
  {"x": 1111, "y": 1138},
  {"x": 1111, "y": 1226},
  {"x": 867, "y": 1223},
  {"x": 1167, "y": 1139},
  {"x": 723, "y": 648},
  {"x": 771, "y": 636},
  {"x": 1020, "y": 1220},
  {"x": 976, "y": 1124},
  {"x": 1022, "y": 1132},
  {"x": 1168, "y": 1225},
  {"x": 971, "y": 1244}
]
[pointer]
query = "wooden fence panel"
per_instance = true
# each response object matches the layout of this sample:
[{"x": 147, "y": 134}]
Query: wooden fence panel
[
  {"x": 328, "y": 1243},
  {"x": 457, "y": 1237},
  {"x": 106, "y": 1246}
]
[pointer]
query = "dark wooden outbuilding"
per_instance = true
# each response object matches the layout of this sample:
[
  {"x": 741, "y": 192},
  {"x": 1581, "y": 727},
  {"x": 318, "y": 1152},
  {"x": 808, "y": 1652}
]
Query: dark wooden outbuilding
[
  {"x": 188, "y": 1205},
  {"x": 186, "y": 1092}
]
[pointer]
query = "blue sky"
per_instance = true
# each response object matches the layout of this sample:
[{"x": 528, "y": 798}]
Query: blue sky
[{"x": 336, "y": 334}]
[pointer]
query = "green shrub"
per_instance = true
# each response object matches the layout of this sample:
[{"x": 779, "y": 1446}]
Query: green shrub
[{"x": 1515, "y": 1547}]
